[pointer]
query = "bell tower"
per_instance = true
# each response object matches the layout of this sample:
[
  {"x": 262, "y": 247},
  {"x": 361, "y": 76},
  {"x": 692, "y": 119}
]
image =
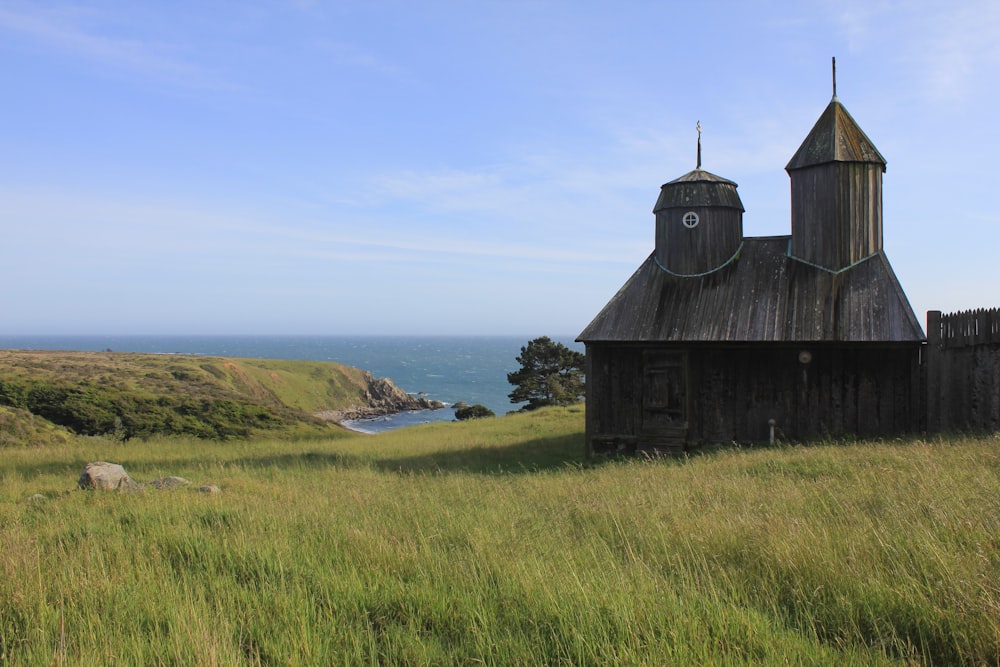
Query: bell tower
[
  {"x": 836, "y": 182},
  {"x": 699, "y": 222}
]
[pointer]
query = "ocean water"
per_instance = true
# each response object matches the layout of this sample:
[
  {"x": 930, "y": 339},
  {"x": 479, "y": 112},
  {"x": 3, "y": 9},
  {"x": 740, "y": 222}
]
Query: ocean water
[{"x": 443, "y": 368}]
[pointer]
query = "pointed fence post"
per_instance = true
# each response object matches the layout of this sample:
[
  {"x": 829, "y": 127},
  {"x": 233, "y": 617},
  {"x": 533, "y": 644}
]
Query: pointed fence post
[{"x": 932, "y": 370}]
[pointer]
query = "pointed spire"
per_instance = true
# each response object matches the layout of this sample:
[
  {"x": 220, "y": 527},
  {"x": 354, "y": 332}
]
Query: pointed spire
[
  {"x": 698, "y": 127},
  {"x": 834, "y": 59},
  {"x": 836, "y": 137}
]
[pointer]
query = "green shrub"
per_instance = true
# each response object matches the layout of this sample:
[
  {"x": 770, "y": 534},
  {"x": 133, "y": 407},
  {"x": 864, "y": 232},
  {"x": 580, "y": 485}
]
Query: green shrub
[{"x": 476, "y": 411}]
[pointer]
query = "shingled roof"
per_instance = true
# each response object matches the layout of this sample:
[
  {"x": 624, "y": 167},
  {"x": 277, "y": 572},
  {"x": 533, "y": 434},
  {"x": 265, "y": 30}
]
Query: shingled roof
[
  {"x": 698, "y": 188},
  {"x": 836, "y": 137},
  {"x": 762, "y": 296}
]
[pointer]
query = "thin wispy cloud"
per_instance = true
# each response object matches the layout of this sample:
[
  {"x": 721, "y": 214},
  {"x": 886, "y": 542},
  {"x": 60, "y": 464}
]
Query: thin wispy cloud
[
  {"x": 859, "y": 21},
  {"x": 949, "y": 45},
  {"x": 153, "y": 228},
  {"x": 351, "y": 55},
  {"x": 961, "y": 45},
  {"x": 77, "y": 34},
  {"x": 443, "y": 190},
  {"x": 328, "y": 237}
]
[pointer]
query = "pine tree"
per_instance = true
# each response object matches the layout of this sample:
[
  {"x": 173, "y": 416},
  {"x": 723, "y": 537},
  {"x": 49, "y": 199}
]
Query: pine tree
[{"x": 550, "y": 374}]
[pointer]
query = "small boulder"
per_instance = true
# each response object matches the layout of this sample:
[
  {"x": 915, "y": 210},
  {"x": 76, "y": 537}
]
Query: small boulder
[
  {"x": 37, "y": 498},
  {"x": 167, "y": 483},
  {"x": 105, "y": 476},
  {"x": 209, "y": 488}
]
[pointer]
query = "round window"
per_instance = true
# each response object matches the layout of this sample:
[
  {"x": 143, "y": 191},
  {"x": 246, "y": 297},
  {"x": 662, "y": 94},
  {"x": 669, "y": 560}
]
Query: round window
[{"x": 690, "y": 219}]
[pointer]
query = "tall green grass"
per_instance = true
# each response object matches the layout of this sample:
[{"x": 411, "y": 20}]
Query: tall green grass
[{"x": 495, "y": 542}]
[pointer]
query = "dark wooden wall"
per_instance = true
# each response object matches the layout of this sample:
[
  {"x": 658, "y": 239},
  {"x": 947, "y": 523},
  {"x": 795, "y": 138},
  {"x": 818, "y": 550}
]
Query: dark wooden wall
[
  {"x": 614, "y": 398},
  {"x": 732, "y": 392},
  {"x": 836, "y": 213},
  {"x": 708, "y": 246},
  {"x": 963, "y": 371},
  {"x": 809, "y": 391}
]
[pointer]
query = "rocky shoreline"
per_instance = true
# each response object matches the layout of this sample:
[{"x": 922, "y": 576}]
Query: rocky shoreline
[{"x": 381, "y": 397}]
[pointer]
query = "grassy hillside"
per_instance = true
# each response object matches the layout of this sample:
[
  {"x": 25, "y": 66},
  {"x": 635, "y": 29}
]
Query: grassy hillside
[
  {"x": 20, "y": 427},
  {"x": 494, "y": 542},
  {"x": 139, "y": 395}
]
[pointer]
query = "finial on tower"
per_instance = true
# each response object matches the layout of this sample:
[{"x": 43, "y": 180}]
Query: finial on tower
[
  {"x": 834, "y": 77},
  {"x": 698, "y": 127}
]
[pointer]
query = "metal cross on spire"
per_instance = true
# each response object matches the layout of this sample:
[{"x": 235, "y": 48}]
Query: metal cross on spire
[{"x": 698, "y": 127}]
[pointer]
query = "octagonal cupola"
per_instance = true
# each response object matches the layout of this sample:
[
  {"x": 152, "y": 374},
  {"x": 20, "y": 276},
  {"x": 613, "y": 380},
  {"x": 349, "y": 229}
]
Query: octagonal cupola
[{"x": 699, "y": 222}]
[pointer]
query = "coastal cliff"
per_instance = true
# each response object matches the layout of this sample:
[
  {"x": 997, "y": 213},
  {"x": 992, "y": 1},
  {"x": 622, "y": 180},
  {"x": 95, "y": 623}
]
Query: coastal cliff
[
  {"x": 128, "y": 395},
  {"x": 380, "y": 397}
]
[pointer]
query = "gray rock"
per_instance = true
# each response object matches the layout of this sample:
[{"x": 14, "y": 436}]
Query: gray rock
[
  {"x": 209, "y": 488},
  {"x": 167, "y": 483},
  {"x": 105, "y": 476},
  {"x": 37, "y": 498},
  {"x": 380, "y": 397}
]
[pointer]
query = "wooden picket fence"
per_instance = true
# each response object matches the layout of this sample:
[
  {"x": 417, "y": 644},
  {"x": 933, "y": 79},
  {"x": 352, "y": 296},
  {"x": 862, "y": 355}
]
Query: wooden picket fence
[
  {"x": 963, "y": 371},
  {"x": 969, "y": 327}
]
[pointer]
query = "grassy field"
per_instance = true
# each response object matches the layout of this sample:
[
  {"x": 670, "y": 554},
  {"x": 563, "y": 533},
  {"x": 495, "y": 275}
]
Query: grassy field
[{"x": 494, "y": 542}]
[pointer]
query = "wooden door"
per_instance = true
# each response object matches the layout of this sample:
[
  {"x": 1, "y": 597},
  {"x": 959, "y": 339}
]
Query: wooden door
[{"x": 664, "y": 403}]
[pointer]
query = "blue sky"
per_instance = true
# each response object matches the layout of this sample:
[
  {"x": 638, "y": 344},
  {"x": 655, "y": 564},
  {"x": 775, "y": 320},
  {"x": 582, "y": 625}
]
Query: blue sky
[{"x": 454, "y": 167}]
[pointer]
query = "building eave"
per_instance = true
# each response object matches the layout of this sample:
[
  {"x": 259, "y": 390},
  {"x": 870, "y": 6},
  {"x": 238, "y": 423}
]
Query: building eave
[{"x": 763, "y": 296}]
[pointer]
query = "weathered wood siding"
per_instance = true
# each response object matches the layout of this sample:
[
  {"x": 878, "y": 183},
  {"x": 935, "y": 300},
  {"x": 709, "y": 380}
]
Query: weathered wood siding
[
  {"x": 732, "y": 392},
  {"x": 963, "y": 371},
  {"x": 836, "y": 213},
  {"x": 614, "y": 399},
  {"x": 708, "y": 246}
]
